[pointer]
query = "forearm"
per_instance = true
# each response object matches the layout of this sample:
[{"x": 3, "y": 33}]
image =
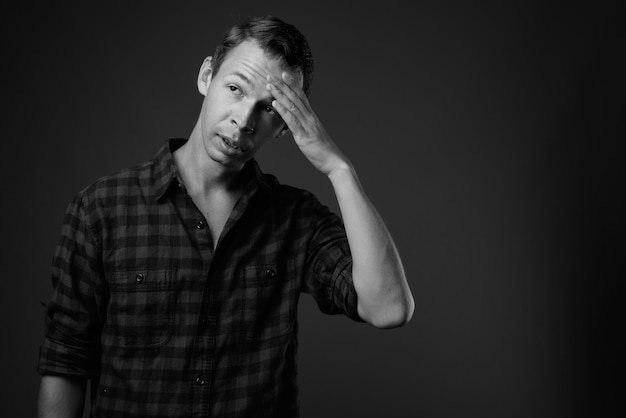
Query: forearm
[
  {"x": 384, "y": 297},
  {"x": 61, "y": 397}
]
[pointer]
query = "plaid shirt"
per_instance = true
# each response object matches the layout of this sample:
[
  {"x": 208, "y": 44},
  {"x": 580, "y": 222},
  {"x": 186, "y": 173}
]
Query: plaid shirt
[{"x": 165, "y": 324}]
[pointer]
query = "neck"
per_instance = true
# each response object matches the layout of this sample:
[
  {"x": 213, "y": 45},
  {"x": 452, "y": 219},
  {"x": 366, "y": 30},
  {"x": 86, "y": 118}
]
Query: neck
[{"x": 200, "y": 174}]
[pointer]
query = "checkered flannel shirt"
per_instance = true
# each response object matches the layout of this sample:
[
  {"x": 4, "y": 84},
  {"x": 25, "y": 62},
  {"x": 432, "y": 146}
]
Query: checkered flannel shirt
[{"x": 164, "y": 324}]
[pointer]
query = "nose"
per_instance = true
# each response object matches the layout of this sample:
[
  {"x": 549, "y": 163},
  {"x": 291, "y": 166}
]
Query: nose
[{"x": 243, "y": 118}]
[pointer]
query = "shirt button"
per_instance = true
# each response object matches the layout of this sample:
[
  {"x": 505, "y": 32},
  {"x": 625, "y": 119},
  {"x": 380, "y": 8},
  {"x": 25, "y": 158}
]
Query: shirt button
[
  {"x": 139, "y": 278},
  {"x": 200, "y": 225},
  {"x": 200, "y": 381},
  {"x": 270, "y": 273}
]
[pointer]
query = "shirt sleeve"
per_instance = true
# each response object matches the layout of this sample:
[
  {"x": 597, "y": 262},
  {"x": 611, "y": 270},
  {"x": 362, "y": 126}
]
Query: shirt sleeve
[
  {"x": 73, "y": 320},
  {"x": 329, "y": 273}
]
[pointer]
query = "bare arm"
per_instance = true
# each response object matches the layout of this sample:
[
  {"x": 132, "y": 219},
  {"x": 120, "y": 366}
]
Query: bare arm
[
  {"x": 61, "y": 397},
  {"x": 384, "y": 297}
]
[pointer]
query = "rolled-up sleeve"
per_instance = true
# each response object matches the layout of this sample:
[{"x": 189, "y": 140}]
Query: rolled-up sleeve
[
  {"x": 329, "y": 267},
  {"x": 73, "y": 315}
]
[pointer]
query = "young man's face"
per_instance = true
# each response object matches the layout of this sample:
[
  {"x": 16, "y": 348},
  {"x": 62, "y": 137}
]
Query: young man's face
[{"x": 237, "y": 115}]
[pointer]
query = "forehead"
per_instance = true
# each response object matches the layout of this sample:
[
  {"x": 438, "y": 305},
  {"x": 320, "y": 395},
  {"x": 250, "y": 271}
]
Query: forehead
[{"x": 250, "y": 60}]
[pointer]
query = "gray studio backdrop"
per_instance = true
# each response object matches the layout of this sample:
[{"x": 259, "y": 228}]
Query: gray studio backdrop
[{"x": 472, "y": 128}]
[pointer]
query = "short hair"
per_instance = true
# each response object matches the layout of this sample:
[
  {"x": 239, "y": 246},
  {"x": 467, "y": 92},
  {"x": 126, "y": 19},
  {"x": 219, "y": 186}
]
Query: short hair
[{"x": 277, "y": 38}]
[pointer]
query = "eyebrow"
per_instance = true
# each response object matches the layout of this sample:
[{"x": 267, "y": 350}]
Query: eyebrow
[
  {"x": 243, "y": 77},
  {"x": 247, "y": 81}
]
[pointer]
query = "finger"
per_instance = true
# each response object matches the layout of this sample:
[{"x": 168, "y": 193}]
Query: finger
[
  {"x": 293, "y": 122},
  {"x": 293, "y": 83},
  {"x": 288, "y": 103},
  {"x": 290, "y": 86}
]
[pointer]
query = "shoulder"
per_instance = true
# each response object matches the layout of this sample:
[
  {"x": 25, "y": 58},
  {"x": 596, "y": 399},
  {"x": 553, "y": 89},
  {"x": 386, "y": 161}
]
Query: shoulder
[
  {"x": 296, "y": 204},
  {"x": 121, "y": 186},
  {"x": 289, "y": 195}
]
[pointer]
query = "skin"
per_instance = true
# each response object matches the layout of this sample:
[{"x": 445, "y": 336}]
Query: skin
[
  {"x": 61, "y": 396},
  {"x": 236, "y": 118},
  {"x": 247, "y": 103},
  {"x": 384, "y": 297}
]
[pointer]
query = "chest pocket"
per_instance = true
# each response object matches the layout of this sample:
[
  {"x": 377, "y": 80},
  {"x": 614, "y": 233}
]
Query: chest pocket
[
  {"x": 141, "y": 312},
  {"x": 269, "y": 304}
]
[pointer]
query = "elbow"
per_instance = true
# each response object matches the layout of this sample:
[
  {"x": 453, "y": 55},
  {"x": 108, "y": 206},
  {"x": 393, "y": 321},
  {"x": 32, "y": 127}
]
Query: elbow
[{"x": 394, "y": 316}]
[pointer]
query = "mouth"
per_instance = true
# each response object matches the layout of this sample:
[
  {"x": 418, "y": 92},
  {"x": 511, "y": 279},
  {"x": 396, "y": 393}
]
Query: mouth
[{"x": 231, "y": 144}]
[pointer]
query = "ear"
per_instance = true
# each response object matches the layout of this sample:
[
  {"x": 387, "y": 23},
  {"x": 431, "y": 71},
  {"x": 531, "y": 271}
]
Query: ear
[{"x": 205, "y": 75}]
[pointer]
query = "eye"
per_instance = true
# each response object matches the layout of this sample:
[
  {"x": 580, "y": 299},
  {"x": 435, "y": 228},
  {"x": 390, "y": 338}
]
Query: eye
[
  {"x": 234, "y": 89},
  {"x": 270, "y": 109}
]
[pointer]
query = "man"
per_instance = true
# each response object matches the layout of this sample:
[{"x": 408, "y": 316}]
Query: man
[{"x": 176, "y": 282}]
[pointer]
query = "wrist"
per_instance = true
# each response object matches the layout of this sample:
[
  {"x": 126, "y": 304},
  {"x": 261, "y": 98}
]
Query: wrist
[{"x": 342, "y": 171}]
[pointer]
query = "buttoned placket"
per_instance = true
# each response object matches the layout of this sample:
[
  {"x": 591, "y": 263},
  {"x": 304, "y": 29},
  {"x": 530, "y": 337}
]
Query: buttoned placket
[
  {"x": 201, "y": 367},
  {"x": 202, "y": 364}
]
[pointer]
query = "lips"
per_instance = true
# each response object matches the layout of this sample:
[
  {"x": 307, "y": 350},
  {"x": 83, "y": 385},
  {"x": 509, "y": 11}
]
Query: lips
[{"x": 231, "y": 144}]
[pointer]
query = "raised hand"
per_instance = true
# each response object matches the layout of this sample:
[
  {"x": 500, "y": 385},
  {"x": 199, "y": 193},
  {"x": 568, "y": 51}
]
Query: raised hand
[
  {"x": 293, "y": 106},
  {"x": 385, "y": 299}
]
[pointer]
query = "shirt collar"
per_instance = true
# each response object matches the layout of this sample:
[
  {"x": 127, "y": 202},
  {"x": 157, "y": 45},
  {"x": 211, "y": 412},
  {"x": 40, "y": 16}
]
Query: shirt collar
[
  {"x": 165, "y": 172},
  {"x": 257, "y": 177}
]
